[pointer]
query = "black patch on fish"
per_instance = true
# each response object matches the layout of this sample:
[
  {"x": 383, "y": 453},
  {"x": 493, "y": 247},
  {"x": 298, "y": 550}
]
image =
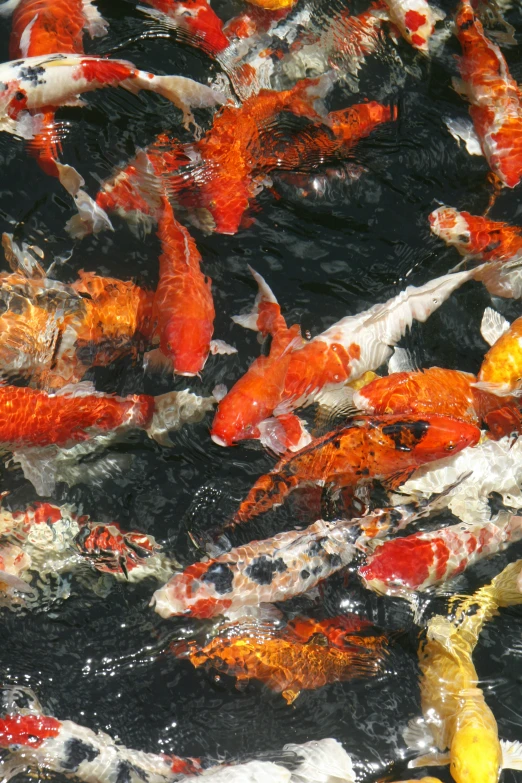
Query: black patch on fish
[
  {"x": 406, "y": 434},
  {"x": 317, "y": 570},
  {"x": 466, "y": 25},
  {"x": 221, "y": 577},
  {"x": 32, "y": 73},
  {"x": 316, "y": 548},
  {"x": 76, "y": 752},
  {"x": 304, "y": 574},
  {"x": 334, "y": 560},
  {"x": 262, "y": 569},
  {"x": 125, "y": 771}
]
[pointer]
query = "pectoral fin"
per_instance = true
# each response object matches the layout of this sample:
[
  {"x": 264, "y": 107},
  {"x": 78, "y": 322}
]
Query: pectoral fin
[{"x": 511, "y": 754}]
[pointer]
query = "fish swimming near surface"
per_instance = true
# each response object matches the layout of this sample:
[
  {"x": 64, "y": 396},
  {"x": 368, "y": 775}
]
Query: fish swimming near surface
[
  {"x": 415, "y": 20},
  {"x": 32, "y": 739},
  {"x": 381, "y": 448},
  {"x": 501, "y": 370},
  {"x": 183, "y": 307},
  {"x": 458, "y": 723},
  {"x": 216, "y": 177},
  {"x": 402, "y": 566},
  {"x": 278, "y": 568},
  {"x": 481, "y": 239},
  {"x": 323, "y": 365},
  {"x": 495, "y": 97},
  {"x": 287, "y": 662},
  {"x": 436, "y": 390},
  {"x": 194, "y": 20}
]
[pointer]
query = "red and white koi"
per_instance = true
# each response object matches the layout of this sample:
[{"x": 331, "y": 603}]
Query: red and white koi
[
  {"x": 415, "y": 19},
  {"x": 54, "y": 80},
  {"x": 423, "y": 560},
  {"x": 495, "y": 97},
  {"x": 195, "y": 21},
  {"x": 342, "y": 353}
]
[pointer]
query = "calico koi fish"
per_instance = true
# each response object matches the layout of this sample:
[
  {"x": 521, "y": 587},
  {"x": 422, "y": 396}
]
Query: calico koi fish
[
  {"x": 436, "y": 390},
  {"x": 501, "y": 369},
  {"x": 280, "y": 567},
  {"x": 481, "y": 239},
  {"x": 57, "y": 79},
  {"x": 288, "y": 663},
  {"x": 415, "y": 19},
  {"x": 495, "y": 97},
  {"x": 183, "y": 308},
  {"x": 457, "y": 719},
  {"x": 341, "y": 354},
  {"x": 402, "y": 566},
  {"x": 382, "y": 448},
  {"x": 217, "y": 176}
]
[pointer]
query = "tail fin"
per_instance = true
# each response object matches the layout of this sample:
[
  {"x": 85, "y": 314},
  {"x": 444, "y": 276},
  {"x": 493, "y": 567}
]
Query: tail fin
[
  {"x": 324, "y": 761},
  {"x": 264, "y": 303},
  {"x": 90, "y": 218},
  {"x": 270, "y": 490}
]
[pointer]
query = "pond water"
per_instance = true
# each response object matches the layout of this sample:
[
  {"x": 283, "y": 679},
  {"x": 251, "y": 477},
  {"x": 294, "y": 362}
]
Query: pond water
[{"x": 102, "y": 660}]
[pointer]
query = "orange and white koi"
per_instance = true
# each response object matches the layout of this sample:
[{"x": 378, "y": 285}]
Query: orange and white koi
[
  {"x": 380, "y": 448},
  {"x": 501, "y": 370},
  {"x": 402, "y": 566},
  {"x": 415, "y": 19},
  {"x": 342, "y": 353},
  {"x": 495, "y": 97},
  {"x": 318, "y": 653},
  {"x": 183, "y": 308},
  {"x": 53, "y": 80}
]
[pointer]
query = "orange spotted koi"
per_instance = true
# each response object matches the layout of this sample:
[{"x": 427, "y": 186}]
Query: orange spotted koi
[
  {"x": 381, "y": 448},
  {"x": 304, "y": 655},
  {"x": 495, "y": 97}
]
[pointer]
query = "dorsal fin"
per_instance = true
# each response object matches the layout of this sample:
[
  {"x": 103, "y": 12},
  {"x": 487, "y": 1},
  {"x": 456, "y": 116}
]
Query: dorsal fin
[{"x": 493, "y": 326}]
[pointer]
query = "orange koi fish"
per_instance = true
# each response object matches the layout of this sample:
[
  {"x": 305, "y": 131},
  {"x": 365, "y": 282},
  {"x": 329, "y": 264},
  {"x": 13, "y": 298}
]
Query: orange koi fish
[
  {"x": 482, "y": 239},
  {"x": 321, "y": 652},
  {"x": 447, "y": 392},
  {"x": 194, "y": 20},
  {"x": 383, "y": 448},
  {"x": 223, "y": 171},
  {"x": 340, "y": 354},
  {"x": 415, "y": 19},
  {"x": 183, "y": 308},
  {"x": 501, "y": 369},
  {"x": 495, "y": 97}
]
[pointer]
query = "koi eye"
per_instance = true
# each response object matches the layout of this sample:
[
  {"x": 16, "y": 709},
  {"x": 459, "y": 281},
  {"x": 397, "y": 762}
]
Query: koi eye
[
  {"x": 449, "y": 447},
  {"x": 19, "y": 96}
]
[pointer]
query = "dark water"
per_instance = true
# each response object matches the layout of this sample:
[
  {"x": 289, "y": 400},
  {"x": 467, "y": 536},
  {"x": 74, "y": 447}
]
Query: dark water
[{"x": 103, "y": 662}]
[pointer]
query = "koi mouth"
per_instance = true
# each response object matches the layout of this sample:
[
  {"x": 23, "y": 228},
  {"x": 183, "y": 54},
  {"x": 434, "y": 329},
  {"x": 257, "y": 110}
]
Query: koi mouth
[{"x": 219, "y": 441}]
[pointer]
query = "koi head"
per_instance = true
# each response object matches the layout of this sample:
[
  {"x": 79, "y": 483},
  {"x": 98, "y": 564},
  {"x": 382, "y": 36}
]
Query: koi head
[
  {"x": 431, "y": 437},
  {"x": 237, "y": 418},
  {"x": 28, "y": 730},
  {"x": 476, "y": 755},
  {"x": 189, "y": 347},
  {"x": 466, "y": 23},
  {"x": 417, "y": 26},
  {"x": 113, "y": 551},
  {"x": 450, "y": 226}
]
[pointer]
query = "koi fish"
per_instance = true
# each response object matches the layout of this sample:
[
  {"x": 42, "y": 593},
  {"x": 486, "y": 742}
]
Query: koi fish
[
  {"x": 435, "y": 390},
  {"x": 35, "y": 740},
  {"x": 58, "y": 79},
  {"x": 501, "y": 369},
  {"x": 287, "y": 663},
  {"x": 183, "y": 307},
  {"x": 403, "y": 565},
  {"x": 484, "y": 240},
  {"x": 495, "y": 98},
  {"x": 492, "y": 466},
  {"x": 216, "y": 179},
  {"x": 342, "y": 353},
  {"x": 415, "y": 20},
  {"x": 457, "y": 719},
  {"x": 280, "y": 567},
  {"x": 382, "y": 448},
  {"x": 195, "y": 21}
]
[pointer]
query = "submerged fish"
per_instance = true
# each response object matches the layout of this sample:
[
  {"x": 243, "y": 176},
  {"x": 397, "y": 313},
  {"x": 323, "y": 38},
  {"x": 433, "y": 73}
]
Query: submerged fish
[
  {"x": 54, "y": 80},
  {"x": 495, "y": 97},
  {"x": 380, "y": 448},
  {"x": 415, "y": 19},
  {"x": 482, "y": 239},
  {"x": 436, "y": 390},
  {"x": 320, "y": 653},
  {"x": 501, "y": 370},
  {"x": 403, "y": 565},
  {"x": 457, "y": 719},
  {"x": 195, "y": 21}
]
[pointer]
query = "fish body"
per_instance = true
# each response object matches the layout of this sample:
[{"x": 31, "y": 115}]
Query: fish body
[
  {"x": 183, "y": 308},
  {"x": 436, "y": 390},
  {"x": 46, "y": 82},
  {"x": 41, "y": 27},
  {"x": 385, "y": 448},
  {"x": 344, "y": 352},
  {"x": 415, "y": 20},
  {"x": 495, "y": 98},
  {"x": 195, "y": 20},
  {"x": 287, "y": 663},
  {"x": 423, "y": 560},
  {"x": 501, "y": 369},
  {"x": 274, "y": 569}
]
